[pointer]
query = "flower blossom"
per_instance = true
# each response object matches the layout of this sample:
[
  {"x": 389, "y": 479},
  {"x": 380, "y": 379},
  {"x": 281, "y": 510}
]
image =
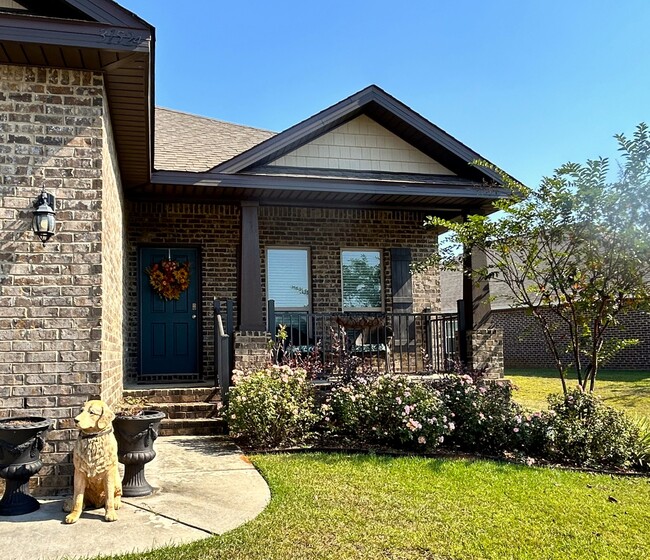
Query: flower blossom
[{"x": 413, "y": 425}]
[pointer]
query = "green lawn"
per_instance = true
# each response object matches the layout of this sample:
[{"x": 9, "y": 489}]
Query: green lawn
[
  {"x": 627, "y": 390},
  {"x": 364, "y": 507}
]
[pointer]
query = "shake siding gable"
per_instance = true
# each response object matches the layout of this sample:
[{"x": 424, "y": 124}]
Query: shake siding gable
[{"x": 362, "y": 145}]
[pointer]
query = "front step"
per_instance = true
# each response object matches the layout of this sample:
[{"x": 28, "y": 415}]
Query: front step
[
  {"x": 188, "y": 410},
  {"x": 163, "y": 394},
  {"x": 193, "y": 427}
]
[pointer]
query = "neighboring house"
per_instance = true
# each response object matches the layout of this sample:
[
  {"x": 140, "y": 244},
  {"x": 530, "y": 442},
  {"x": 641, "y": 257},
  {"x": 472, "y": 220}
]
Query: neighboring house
[
  {"x": 523, "y": 341},
  {"x": 257, "y": 216}
]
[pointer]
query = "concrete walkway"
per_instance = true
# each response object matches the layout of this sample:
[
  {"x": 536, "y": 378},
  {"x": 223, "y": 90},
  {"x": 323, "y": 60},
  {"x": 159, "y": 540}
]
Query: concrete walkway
[{"x": 204, "y": 486}]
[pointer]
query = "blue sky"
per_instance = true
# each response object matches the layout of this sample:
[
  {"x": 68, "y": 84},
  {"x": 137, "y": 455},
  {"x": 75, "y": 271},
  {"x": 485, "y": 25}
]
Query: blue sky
[{"x": 529, "y": 84}]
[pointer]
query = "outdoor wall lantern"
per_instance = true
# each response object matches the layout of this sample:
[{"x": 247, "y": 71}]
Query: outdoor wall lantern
[{"x": 44, "y": 222}]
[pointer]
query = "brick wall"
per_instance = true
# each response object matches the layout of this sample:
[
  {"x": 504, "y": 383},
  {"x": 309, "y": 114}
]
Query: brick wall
[
  {"x": 327, "y": 231},
  {"x": 113, "y": 269},
  {"x": 524, "y": 344},
  {"x": 485, "y": 351},
  {"x": 251, "y": 350},
  {"x": 51, "y": 135}
]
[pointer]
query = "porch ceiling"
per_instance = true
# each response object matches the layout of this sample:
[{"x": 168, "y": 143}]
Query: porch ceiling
[{"x": 440, "y": 194}]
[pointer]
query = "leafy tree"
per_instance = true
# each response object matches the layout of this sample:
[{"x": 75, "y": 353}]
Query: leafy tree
[
  {"x": 361, "y": 282},
  {"x": 575, "y": 252}
]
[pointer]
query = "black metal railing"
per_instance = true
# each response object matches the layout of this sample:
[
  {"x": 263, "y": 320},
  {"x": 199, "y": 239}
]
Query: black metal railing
[
  {"x": 415, "y": 343},
  {"x": 223, "y": 351}
]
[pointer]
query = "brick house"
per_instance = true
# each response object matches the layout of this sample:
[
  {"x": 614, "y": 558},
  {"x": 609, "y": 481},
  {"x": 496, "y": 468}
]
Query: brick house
[{"x": 257, "y": 216}]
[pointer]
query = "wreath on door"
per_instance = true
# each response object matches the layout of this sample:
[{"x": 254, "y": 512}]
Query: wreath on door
[{"x": 169, "y": 279}]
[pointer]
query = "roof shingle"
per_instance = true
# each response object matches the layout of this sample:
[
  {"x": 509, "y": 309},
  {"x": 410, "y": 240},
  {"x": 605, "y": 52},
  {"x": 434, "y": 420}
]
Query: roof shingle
[{"x": 185, "y": 142}]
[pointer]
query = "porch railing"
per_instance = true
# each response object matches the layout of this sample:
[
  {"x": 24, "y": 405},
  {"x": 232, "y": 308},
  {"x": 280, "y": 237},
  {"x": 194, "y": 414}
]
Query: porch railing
[
  {"x": 415, "y": 343},
  {"x": 223, "y": 355}
]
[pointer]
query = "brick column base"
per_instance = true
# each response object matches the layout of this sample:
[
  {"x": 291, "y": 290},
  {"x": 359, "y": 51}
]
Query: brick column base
[
  {"x": 251, "y": 349},
  {"x": 485, "y": 350}
]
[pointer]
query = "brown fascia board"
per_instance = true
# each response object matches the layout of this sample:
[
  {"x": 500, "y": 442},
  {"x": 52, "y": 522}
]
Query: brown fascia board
[
  {"x": 339, "y": 113},
  {"x": 462, "y": 189},
  {"x": 73, "y": 33}
]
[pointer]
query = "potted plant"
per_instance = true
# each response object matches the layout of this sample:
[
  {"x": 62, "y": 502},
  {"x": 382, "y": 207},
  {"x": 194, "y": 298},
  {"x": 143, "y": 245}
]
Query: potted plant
[
  {"x": 21, "y": 441},
  {"x": 136, "y": 429}
]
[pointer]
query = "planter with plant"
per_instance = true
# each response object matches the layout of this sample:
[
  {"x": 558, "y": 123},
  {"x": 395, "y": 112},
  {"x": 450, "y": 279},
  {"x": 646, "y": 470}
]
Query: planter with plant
[
  {"x": 136, "y": 429},
  {"x": 21, "y": 441}
]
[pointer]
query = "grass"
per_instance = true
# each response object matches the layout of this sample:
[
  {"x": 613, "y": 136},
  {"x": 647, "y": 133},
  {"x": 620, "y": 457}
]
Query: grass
[
  {"x": 365, "y": 507},
  {"x": 626, "y": 390}
]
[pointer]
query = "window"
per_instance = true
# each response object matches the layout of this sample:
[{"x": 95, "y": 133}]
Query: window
[
  {"x": 287, "y": 276},
  {"x": 361, "y": 278}
]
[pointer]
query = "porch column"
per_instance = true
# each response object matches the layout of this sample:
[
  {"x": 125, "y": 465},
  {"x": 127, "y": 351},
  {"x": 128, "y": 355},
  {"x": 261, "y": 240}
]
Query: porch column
[
  {"x": 250, "y": 273},
  {"x": 476, "y": 294},
  {"x": 483, "y": 342}
]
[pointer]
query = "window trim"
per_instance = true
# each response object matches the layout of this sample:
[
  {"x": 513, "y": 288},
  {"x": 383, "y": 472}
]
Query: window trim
[
  {"x": 308, "y": 307},
  {"x": 382, "y": 294}
]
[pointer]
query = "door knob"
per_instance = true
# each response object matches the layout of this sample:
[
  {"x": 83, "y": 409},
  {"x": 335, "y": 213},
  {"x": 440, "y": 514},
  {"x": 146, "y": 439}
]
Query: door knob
[{"x": 193, "y": 316}]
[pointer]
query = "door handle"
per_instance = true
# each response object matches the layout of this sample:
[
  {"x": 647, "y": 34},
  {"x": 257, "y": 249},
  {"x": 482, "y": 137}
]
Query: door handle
[{"x": 193, "y": 316}]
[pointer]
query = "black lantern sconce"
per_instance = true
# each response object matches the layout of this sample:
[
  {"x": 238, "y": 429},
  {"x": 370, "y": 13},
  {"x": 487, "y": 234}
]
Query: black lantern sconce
[{"x": 44, "y": 222}]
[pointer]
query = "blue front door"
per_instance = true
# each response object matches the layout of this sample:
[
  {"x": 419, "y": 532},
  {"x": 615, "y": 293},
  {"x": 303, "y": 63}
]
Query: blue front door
[{"x": 169, "y": 328}]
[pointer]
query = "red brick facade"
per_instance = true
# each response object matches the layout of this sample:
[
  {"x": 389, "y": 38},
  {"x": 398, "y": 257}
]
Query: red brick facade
[{"x": 524, "y": 346}]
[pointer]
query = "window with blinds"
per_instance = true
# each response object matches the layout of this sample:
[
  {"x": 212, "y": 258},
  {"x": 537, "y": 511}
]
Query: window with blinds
[
  {"x": 287, "y": 278},
  {"x": 361, "y": 280}
]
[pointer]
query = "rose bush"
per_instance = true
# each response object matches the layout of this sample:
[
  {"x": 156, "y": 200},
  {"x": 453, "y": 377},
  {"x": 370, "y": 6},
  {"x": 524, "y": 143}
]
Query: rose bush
[
  {"x": 387, "y": 410},
  {"x": 271, "y": 407},
  {"x": 487, "y": 420}
]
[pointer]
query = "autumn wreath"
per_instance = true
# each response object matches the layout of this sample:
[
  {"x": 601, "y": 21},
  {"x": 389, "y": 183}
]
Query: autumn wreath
[{"x": 169, "y": 279}]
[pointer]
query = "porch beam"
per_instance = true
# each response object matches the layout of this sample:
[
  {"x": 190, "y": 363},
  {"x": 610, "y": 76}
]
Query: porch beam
[{"x": 250, "y": 273}]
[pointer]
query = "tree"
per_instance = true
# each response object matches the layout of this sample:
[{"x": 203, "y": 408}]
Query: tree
[
  {"x": 575, "y": 252},
  {"x": 361, "y": 282}
]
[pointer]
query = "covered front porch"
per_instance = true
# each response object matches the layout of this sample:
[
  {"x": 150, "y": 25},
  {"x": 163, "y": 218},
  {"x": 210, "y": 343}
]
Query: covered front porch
[{"x": 324, "y": 219}]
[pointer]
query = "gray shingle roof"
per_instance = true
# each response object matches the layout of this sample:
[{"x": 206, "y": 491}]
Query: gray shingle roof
[{"x": 185, "y": 142}]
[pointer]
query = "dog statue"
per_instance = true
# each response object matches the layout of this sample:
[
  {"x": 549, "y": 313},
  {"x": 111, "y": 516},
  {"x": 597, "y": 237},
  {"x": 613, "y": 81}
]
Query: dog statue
[{"x": 96, "y": 477}]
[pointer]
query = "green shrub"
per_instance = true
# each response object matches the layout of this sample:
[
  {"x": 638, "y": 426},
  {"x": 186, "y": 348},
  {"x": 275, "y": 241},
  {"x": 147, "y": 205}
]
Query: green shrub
[
  {"x": 271, "y": 407},
  {"x": 487, "y": 420},
  {"x": 388, "y": 410},
  {"x": 586, "y": 432}
]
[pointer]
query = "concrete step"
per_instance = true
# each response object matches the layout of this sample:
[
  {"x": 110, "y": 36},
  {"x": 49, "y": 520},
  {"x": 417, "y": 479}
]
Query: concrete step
[{"x": 192, "y": 427}]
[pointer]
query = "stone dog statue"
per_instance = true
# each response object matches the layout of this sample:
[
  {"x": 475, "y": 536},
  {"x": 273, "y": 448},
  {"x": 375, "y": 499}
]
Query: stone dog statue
[{"x": 96, "y": 477}]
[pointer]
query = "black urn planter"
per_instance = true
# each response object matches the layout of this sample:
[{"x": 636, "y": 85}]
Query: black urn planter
[
  {"x": 135, "y": 435},
  {"x": 21, "y": 442}
]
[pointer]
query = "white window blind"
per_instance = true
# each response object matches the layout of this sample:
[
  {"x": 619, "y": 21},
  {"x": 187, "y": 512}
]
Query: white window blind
[{"x": 288, "y": 278}]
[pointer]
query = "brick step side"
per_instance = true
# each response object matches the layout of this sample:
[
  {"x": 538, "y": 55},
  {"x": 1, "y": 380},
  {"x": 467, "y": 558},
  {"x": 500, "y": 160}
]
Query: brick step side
[
  {"x": 175, "y": 395},
  {"x": 192, "y": 427},
  {"x": 188, "y": 410}
]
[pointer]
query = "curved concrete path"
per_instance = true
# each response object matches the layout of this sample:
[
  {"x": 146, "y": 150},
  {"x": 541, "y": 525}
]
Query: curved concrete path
[{"x": 204, "y": 486}]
